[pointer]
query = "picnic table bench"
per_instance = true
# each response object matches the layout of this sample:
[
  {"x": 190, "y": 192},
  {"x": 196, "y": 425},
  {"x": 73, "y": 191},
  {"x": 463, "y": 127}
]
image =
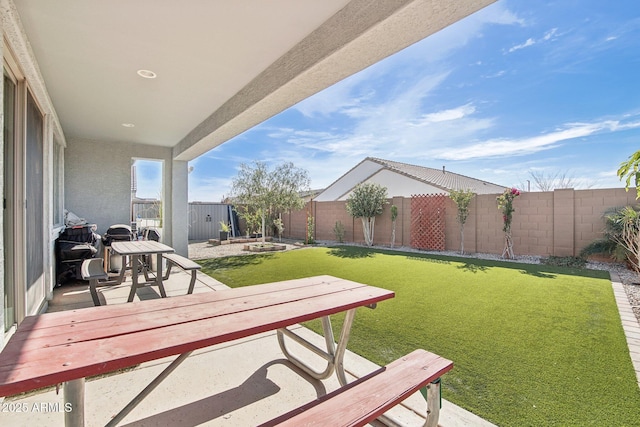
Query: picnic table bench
[{"x": 66, "y": 347}]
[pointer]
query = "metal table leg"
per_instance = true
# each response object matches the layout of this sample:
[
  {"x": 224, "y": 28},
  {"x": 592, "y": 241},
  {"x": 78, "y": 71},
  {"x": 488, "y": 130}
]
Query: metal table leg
[
  {"x": 73, "y": 392},
  {"x": 334, "y": 355},
  {"x": 148, "y": 389},
  {"x": 432, "y": 395}
]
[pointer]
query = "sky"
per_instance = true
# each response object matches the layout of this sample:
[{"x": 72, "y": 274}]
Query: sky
[{"x": 519, "y": 87}]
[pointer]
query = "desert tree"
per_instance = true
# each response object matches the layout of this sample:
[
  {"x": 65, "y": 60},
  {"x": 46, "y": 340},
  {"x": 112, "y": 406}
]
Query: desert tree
[
  {"x": 462, "y": 199},
  {"x": 549, "y": 181},
  {"x": 262, "y": 192},
  {"x": 394, "y": 217},
  {"x": 366, "y": 201}
]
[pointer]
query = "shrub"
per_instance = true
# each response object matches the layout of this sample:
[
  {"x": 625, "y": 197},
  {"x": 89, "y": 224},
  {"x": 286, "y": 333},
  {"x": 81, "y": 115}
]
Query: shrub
[
  {"x": 310, "y": 230},
  {"x": 621, "y": 234},
  {"x": 338, "y": 231},
  {"x": 565, "y": 261}
]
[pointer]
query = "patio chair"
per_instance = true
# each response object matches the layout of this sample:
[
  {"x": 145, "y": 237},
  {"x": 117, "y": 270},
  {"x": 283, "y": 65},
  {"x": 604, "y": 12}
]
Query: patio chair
[{"x": 93, "y": 271}]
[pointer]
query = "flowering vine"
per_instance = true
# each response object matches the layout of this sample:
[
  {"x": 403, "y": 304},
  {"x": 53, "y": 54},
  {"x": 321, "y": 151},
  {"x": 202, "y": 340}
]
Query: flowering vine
[{"x": 505, "y": 204}]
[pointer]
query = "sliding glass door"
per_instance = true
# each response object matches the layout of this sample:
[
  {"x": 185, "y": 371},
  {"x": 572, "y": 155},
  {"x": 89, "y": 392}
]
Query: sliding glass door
[
  {"x": 23, "y": 199},
  {"x": 34, "y": 203}
]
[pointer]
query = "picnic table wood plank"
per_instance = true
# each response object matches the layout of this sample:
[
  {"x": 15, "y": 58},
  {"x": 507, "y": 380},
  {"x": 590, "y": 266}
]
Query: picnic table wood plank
[
  {"x": 140, "y": 247},
  {"x": 17, "y": 349},
  {"x": 52, "y": 365},
  {"x": 136, "y": 322},
  {"x": 364, "y": 400},
  {"x": 57, "y": 319}
]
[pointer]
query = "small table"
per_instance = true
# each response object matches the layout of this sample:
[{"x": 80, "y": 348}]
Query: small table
[{"x": 135, "y": 249}]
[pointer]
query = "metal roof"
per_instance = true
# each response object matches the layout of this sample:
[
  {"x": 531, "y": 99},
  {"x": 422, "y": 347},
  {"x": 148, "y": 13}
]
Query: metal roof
[{"x": 440, "y": 178}]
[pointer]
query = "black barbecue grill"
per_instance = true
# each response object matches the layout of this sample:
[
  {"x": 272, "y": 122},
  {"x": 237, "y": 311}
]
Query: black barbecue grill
[
  {"x": 116, "y": 233},
  {"x": 73, "y": 246}
]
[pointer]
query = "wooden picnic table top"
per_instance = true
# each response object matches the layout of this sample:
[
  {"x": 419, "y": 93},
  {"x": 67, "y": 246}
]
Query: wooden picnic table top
[
  {"x": 141, "y": 247},
  {"x": 56, "y": 347}
]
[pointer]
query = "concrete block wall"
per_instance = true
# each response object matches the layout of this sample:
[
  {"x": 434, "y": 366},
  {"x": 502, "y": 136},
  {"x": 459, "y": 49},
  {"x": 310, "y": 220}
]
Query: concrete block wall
[
  {"x": 590, "y": 207},
  {"x": 559, "y": 222}
]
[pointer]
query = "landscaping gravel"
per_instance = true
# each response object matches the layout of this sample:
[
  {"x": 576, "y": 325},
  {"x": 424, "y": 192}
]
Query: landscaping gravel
[{"x": 629, "y": 279}]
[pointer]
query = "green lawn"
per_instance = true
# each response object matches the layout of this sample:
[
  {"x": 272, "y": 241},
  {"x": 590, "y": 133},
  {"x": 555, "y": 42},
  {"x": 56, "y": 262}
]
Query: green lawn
[{"x": 532, "y": 345}]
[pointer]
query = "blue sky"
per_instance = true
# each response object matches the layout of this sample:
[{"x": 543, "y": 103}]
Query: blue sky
[{"x": 543, "y": 86}]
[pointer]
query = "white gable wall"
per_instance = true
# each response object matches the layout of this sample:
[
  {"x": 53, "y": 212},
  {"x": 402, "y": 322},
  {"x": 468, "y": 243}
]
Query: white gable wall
[
  {"x": 399, "y": 185},
  {"x": 368, "y": 171},
  {"x": 339, "y": 189}
]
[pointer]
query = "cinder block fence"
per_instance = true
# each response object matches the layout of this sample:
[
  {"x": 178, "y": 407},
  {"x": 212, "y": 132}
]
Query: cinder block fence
[{"x": 559, "y": 222}]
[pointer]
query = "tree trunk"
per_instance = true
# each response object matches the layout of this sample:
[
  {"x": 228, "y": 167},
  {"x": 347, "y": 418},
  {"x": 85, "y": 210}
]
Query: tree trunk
[
  {"x": 393, "y": 233},
  {"x": 461, "y": 239},
  {"x": 264, "y": 228},
  {"x": 368, "y": 225}
]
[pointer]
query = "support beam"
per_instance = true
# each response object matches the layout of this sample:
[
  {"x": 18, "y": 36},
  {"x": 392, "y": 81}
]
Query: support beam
[{"x": 359, "y": 35}]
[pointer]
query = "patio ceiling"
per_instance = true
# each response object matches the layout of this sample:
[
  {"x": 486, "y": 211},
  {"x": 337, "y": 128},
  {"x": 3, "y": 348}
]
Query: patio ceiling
[{"x": 222, "y": 66}]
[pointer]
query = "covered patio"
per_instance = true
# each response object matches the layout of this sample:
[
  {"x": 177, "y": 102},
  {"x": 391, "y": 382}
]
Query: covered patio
[{"x": 92, "y": 86}]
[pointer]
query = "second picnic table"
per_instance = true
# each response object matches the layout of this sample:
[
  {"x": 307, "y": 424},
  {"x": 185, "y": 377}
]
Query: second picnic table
[{"x": 137, "y": 249}]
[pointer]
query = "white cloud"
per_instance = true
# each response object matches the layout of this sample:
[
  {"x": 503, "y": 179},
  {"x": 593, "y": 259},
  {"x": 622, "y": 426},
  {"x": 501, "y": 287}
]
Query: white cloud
[
  {"x": 523, "y": 146},
  {"x": 529, "y": 42},
  {"x": 349, "y": 95},
  {"x": 495, "y": 75},
  {"x": 446, "y": 115},
  {"x": 550, "y": 35}
]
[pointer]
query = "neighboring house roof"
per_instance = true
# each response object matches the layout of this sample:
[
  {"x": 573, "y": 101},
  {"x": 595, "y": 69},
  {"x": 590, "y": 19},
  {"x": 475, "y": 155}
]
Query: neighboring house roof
[
  {"x": 441, "y": 178},
  {"x": 311, "y": 193},
  {"x": 403, "y": 179}
]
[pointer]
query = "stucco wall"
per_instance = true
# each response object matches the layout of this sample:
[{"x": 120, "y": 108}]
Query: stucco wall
[
  {"x": 367, "y": 171},
  {"x": 559, "y": 223},
  {"x": 399, "y": 185},
  {"x": 97, "y": 177}
]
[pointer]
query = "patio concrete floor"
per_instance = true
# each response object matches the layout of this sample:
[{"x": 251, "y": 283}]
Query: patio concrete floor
[{"x": 240, "y": 383}]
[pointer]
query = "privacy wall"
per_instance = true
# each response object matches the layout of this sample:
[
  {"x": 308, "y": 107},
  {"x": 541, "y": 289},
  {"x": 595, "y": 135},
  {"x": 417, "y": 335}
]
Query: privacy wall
[{"x": 559, "y": 222}]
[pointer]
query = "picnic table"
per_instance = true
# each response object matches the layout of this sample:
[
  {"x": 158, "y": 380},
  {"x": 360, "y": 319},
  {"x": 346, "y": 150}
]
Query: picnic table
[
  {"x": 137, "y": 250},
  {"x": 66, "y": 347}
]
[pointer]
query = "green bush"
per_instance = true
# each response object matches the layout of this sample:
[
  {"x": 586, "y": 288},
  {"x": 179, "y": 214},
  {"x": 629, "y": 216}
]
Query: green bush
[
  {"x": 612, "y": 243},
  {"x": 565, "y": 261},
  {"x": 338, "y": 231}
]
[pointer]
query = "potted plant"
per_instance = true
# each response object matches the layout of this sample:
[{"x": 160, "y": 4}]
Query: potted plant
[{"x": 224, "y": 231}]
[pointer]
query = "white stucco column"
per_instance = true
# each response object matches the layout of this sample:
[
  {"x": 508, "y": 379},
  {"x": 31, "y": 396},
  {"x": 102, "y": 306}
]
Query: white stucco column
[{"x": 178, "y": 215}]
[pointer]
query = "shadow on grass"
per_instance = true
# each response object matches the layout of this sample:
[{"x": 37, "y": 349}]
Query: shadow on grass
[
  {"x": 351, "y": 252},
  {"x": 473, "y": 268},
  {"x": 539, "y": 274},
  {"x": 473, "y": 265}
]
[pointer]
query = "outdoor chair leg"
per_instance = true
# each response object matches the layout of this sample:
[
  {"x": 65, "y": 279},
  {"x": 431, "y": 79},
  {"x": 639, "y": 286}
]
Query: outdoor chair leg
[
  {"x": 192, "y": 285},
  {"x": 432, "y": 396},
  {"x": 166, "y": 275},
  {"x": 93, "y": 283}
]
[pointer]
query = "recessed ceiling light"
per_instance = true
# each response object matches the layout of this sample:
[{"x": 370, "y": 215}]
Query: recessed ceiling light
[
  {"x": 128, "y": 125},
  {"x": 147, "y": 74}
]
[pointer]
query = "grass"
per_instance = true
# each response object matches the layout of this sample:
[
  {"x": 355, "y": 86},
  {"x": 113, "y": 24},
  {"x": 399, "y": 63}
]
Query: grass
[{"x": 532, "y": 345}]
